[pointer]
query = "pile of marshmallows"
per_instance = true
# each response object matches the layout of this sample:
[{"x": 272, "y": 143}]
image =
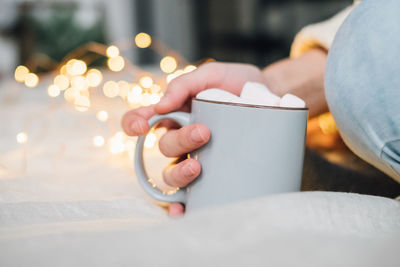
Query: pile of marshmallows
[{"x": 253, "y": 94}]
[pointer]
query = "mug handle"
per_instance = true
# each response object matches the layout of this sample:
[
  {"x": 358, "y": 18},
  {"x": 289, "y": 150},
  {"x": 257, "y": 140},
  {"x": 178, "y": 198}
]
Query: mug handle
[{"x": 181, "y": 118}]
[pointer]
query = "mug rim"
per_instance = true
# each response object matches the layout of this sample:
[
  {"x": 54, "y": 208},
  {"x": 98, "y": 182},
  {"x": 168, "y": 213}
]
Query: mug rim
[{"x": 247, "y": 105}]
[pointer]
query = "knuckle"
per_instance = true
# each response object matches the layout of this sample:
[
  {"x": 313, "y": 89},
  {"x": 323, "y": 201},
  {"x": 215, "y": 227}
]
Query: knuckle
[{"x": 184, "y": 139}]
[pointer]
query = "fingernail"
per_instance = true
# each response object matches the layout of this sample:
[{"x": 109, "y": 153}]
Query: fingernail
[
  {"x": 138, "y": 126},
  {"x": 188, "y": 170},
  {"x": 196, "y": 135}
]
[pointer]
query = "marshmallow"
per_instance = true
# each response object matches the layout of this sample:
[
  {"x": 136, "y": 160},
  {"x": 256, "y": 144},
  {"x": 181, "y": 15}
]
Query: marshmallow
[
  {"x": 291, "y": 101},
  {"x": 259, "y": 94},
  {"x": 252, "y": 94},
  {"x": 215, "y": 94}
]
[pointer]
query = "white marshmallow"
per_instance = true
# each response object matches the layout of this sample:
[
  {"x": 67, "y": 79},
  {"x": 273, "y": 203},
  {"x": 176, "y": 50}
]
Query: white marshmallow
[
  {"x": 252, "y": 94},
  {"x": 258, "y": 94},
  {"x": 292, "y": 101},
  {"x": 215, "y": 94}
]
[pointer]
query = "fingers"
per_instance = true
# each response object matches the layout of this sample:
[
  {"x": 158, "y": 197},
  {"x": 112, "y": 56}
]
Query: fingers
[
  {"x": 186, "y": 139},
  {"x": 176, "y": 209},
  {"x": 185, "y": 86},
  {"x": 181, "y": 174},
  {"x": 134, "y": 122}
]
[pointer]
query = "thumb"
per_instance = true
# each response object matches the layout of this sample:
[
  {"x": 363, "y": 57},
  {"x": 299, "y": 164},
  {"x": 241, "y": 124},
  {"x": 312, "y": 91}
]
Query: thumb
[{"x": 188, "y": 85}]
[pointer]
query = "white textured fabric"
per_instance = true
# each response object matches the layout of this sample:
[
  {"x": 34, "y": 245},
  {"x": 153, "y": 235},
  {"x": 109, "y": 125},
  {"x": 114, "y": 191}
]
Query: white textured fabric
[
  {"x": 76, "y": 205},
  {"x": 319, "y": 34}
]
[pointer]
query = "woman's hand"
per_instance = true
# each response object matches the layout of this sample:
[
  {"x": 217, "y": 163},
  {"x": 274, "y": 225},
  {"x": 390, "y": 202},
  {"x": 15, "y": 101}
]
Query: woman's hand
[
  {"x": 302, "y": 76},
  {"x": 177, "y": 142}
]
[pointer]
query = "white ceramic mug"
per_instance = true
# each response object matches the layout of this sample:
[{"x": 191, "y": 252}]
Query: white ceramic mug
[{"x": 253, "y": 151}]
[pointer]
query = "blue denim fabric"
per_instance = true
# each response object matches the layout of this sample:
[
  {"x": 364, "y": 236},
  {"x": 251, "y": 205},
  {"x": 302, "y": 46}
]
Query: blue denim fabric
[{"x": 362, "y": 83}]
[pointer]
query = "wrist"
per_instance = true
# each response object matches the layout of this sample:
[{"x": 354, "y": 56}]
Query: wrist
[
  {"x": 296, "y": 75},
  {"x": 302, "y": 76}
]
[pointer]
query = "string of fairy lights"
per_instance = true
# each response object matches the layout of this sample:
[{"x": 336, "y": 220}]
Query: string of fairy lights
[{"x": 75, "y": 80}]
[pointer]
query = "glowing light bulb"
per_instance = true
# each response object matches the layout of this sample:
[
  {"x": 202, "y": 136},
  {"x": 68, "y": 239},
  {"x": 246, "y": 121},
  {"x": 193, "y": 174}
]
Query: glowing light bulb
[
  {"x": 102, "y": 115},
  {"x": 20, "y": 73},
  {"x": 116, "y": 63},
  {"x": 142, "y": 40},
  {"x": 94, "y": 77},
  {"x": 189, "y": 68},
  {"x": 110, "y": 89},
  {"x": 112, "y": 51},
  {"x": 150, "y": 140},
  {"x": 146, "y": 81},
  {"x": 53, "y": 90},
  {"x": 61, "y": 81},
  {"x": 98, "y": 141},
  {"x": 168, "y": 64},
  {"x": 31, "y": 80},
  {"x": 22, "y": 138},
  {"x": 82, "y": 103}
]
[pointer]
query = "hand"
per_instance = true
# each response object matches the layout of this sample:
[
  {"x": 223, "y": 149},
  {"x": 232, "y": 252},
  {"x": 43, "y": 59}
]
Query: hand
[{"x": 176, "y": 142}]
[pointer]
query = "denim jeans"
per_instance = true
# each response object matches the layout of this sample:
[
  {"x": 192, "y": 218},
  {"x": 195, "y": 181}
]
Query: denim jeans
[{"x": 362, "y": 83}]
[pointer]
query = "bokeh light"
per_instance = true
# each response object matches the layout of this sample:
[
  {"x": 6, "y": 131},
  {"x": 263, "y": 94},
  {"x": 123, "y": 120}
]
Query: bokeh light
[
  {"x": 20, "y": 73},
  {"x": 116, "y": 63},
  {"x": 112, "y": 51},
  {"x": 94, "y": 77},
  {"x": 53, "y": 90},
  {"x": 116, "y": 143},
  {"x": 98, "y": 141},
  {"x": 22, "y": 138},
  {"x": 76, "y": 67},
  {"x": 102, "y": 115},
  {"x": 189, "y": 68},
  {"x": 61, "y": 81},
  {"x": 146, "y": 81},
  {"x": 142, "y": 40},
  {"x": 110, "y": 89},
  {"x": 168, "y": 64},
  {"x": 150, "y": 140},
  {"x": 31, "y": 80}
]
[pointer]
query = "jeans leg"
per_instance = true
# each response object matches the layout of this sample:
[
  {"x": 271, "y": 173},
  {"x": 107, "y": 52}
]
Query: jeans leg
[{"x": 362, "y": 83}]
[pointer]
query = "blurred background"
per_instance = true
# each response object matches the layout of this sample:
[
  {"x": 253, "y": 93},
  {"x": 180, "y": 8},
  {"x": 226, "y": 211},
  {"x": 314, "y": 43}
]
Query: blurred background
[{"x": 39, "y": 34}]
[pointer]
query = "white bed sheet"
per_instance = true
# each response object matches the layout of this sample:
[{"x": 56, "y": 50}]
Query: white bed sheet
[{"x": 76, "y": 205}]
